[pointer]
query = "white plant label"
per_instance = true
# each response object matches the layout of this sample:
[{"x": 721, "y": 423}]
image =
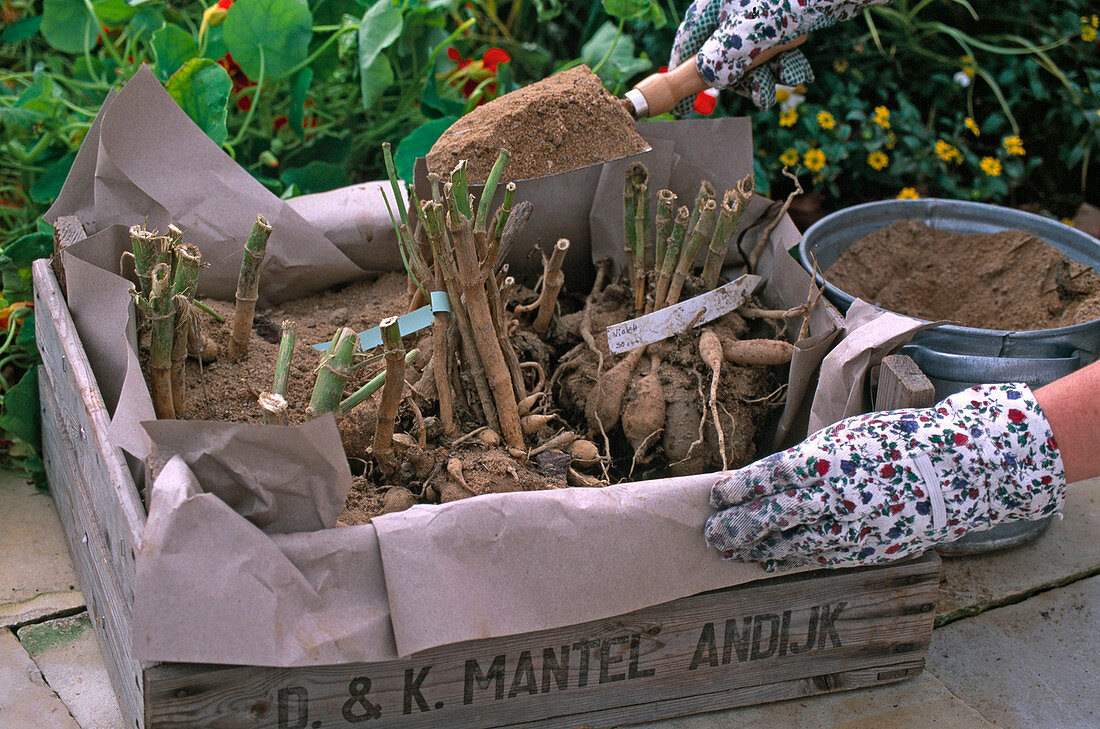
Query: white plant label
[{"x": 680, "y": 317}]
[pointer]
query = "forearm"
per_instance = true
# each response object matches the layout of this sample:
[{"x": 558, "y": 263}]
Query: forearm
[{"x": 1072, "y": 407}]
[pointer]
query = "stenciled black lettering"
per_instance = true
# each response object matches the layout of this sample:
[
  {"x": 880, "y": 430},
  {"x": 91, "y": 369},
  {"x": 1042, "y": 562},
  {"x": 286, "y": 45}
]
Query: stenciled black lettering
[
  {"x": 359, "y": 708},
  {"x": 412, "y": 690},
  {"x": 524, "y": 679},
  {"x": 606, "y": 659},
  {"x": 758, "y": 621},
  {"x": 584, "y": 646},
  {"x": 635, "y": 656},
  {"x": 483, "y": 681},
  {"x": 828, "y": 625},
  {"x": 553, "y": 669},
  {"x": 705, "y": 647},
  {"x": 811, "y": 636},
  {"x": 301, "y": 707},
  {"x": 739, "y": 641},
  {"x": 784, "y": 632}
]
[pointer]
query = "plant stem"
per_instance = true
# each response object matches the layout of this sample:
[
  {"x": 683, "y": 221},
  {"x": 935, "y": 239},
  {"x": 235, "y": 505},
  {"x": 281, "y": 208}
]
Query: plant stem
[
  {"x": 630, "y": 231},
  {"x": 552, "y": 281},
  {"x": 392, "y": 390},
  {"x": 699, "y": 233},
  {"x": 666, "y": 201},
  {"x": 186, "y": 281},
  {"x": 252, "y": 107},
  {"x": 207, "y": 310},
  {"x": 248, "y": 286},
  {"x": 734, "y": 203},
  {"x": 333, "y": 372},
  {"x": 282, "y": 361},
  {"x": 372, "y": 386},
  {"x": 160, "y": 342},
  {"x": 672, "y": 255},
  {"x": 706, "y": 192},
  {"x": 489, "y": 190},
  {"x": 638, "y": 178}
]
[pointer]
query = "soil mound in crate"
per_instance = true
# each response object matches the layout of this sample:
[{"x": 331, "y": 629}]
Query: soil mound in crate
[
  {"x": 560, "y": 123},
  {"x": 1008, "y": 280}
]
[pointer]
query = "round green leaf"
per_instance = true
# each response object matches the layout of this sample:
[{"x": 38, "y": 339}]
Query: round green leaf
[
  {"x": 279, "y": 29},
  {"x": 626, "y": 9},
  {"x": 114, "y": 13},
  {"x": 68, "y": 26},
  {"x": 299, "y": 87},
  {"x": 317, "y": 176},
  {"x": 201, "y": 88},
  {"x": 374, "y": 80},
  {"x": 380, "y": 27},
  {"x": 20, "y": 415},
  {"x": 48, "y": 185},
  {"x": 21, "y": 29},
  {"x": 174, "y": 47}
]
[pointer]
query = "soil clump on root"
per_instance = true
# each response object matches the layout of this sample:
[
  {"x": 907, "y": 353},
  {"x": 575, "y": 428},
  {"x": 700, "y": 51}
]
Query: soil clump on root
[
  {"x": 1007, "y": 280},
  {"x": 566, "y": 121}
]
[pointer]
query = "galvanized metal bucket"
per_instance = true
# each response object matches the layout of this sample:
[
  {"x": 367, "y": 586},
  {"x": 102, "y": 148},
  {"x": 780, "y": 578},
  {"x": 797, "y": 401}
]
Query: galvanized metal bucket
[{"x": 957, "y": 357}]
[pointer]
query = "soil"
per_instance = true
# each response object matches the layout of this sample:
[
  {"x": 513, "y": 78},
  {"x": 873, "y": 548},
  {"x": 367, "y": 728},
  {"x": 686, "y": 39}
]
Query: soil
[
  {"x": 1008, "y": 280},
  {"x": 546, "y": 127}
]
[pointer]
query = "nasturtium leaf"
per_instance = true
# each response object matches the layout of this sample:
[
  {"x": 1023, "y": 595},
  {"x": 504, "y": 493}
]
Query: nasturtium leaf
[
  {"x": 48, "y": 185},
  {"x": 215, "y": 43},
  {"x": 278, "y": 31},
  {"x": 626, "y": 9},
  {"x": 24, "y": 340},
  {"x": 201, "y": 88},
  {"x": 41, "y": 96},
  {"x": 316, "y": 177},
  {"x": 20, "y": 415},
  {"x": 68, "y": 26},
  {"x": 113, "y": 13},
  {"x": 622, "y": 64},
  {"x": 298, "y": 90},
  {"x": 380, "y": 26},
  {"x": 439, "y": 104},
  {"x": 21, "y": 29},
  {"x": 148, "y": 19},
  {"x": 417, "y": 144},
  {"x": 174, "y": 47},
  {"x": 374, "y": 80}
]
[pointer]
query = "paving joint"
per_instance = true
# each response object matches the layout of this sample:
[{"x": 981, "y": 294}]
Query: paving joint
[
  {"x": 1014, "y": 599},
  {"x": 62, "y": 613}
]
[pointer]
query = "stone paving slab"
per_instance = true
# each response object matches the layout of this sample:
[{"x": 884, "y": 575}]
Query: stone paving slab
[
  {"x": 67, "y": 653},
  {"x": 1033, "y": 664},
  {"x": 919, "y": 702},
  {"x": 36, "y": 574},
  {"x": 26, "y": 702},
  {"x": 1069, "y": 548}
]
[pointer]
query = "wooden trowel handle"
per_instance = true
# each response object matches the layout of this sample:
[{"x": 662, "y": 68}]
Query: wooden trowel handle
[{"x": 662, "y": 91}]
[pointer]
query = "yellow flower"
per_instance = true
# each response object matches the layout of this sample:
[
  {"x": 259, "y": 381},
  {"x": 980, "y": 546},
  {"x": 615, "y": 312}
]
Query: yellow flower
[
  {"x": 948, "y": 152},
  {"x": 878, "y": 160},
  {"x": 1014, "y": 146},
  {"x": 840, "y": 65},
  {"x": 972, "y": 126},
  {"x": 789, "y": 157},
  {"x": 1068, "y": 221},
  {"x": 907, "y": 193},
  {"x": 882, "y": 117},
  {"x": 781, "y": 95},
  {"x": 825, "y": 120},
  {"x": 1088, "y": 28},
  {"x": 991, "y": 166},
  {"x": 788, "y": 118},
  {"x": 968, "y": 66},
  {"x": 891, "y": 140},
  {"x": 814, "y": 159}
]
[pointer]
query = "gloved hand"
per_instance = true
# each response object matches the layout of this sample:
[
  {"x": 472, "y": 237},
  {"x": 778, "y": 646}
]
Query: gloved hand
[
  {"x": 877, "y": 487},
  {"x": 728, "y": 35}
]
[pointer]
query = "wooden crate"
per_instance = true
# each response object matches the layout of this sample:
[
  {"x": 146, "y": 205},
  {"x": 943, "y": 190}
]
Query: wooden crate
[{"x": 791, "y": 636}]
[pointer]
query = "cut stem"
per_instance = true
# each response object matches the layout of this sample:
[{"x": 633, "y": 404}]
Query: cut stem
[
  {"x": 698, "y": 234},
  {"x": 734, "y": 203},
  {"x": 186, "y": 281},
  {"x": 248, "y": 286},
  {"x": 552, "y": 281},
  {"x": 630, "y": 230},
  {"x": 161, "y": 317},
  {"x": 666, "y": 205},
  {"x": 333, "y": 372},
  {"x": 392, "y": 390},
  {"x": 274, "y": 407},
  {"x": 672, "y": 256},
  {"x": 282, "y": 361},
  {"x": 638, "y": 178}
]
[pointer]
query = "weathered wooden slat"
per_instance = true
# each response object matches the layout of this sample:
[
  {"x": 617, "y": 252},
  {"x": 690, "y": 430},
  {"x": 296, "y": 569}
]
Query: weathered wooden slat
[
  {"x": 741, "y": 645},
  {"x": 66, "y": 230},
  {"x": 901, "y": 384},
  {"x": 108, "y": 484},
  {"x": 109, "y": 603}
]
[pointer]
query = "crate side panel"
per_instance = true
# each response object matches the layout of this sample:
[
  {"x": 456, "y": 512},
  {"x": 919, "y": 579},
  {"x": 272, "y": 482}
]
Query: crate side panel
[
  {"x": 729, "y": 643},
  {"x": 109, "y": 602}
]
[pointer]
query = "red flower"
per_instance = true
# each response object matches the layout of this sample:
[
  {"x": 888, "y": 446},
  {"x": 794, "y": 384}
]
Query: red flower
[
  {"x": 960, "y": 439},
  {"x": 887, "y": 471},
  {"x": 893, "y": 548},
  {"x": 472, "y": 73},
  {"x": 849, "y": 505},
  {"x": 822, "y": 467},
  {"x": 896, "y": 508},
  {"x": 225, "y": 4},
  {"x": 1016, "y": 416}
]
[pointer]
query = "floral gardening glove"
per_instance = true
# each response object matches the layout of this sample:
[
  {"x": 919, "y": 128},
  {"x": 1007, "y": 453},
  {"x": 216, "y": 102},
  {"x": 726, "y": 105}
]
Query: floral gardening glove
[
  {"x": 877, "y": 487},
  {"x": 728, "y": 35}
]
